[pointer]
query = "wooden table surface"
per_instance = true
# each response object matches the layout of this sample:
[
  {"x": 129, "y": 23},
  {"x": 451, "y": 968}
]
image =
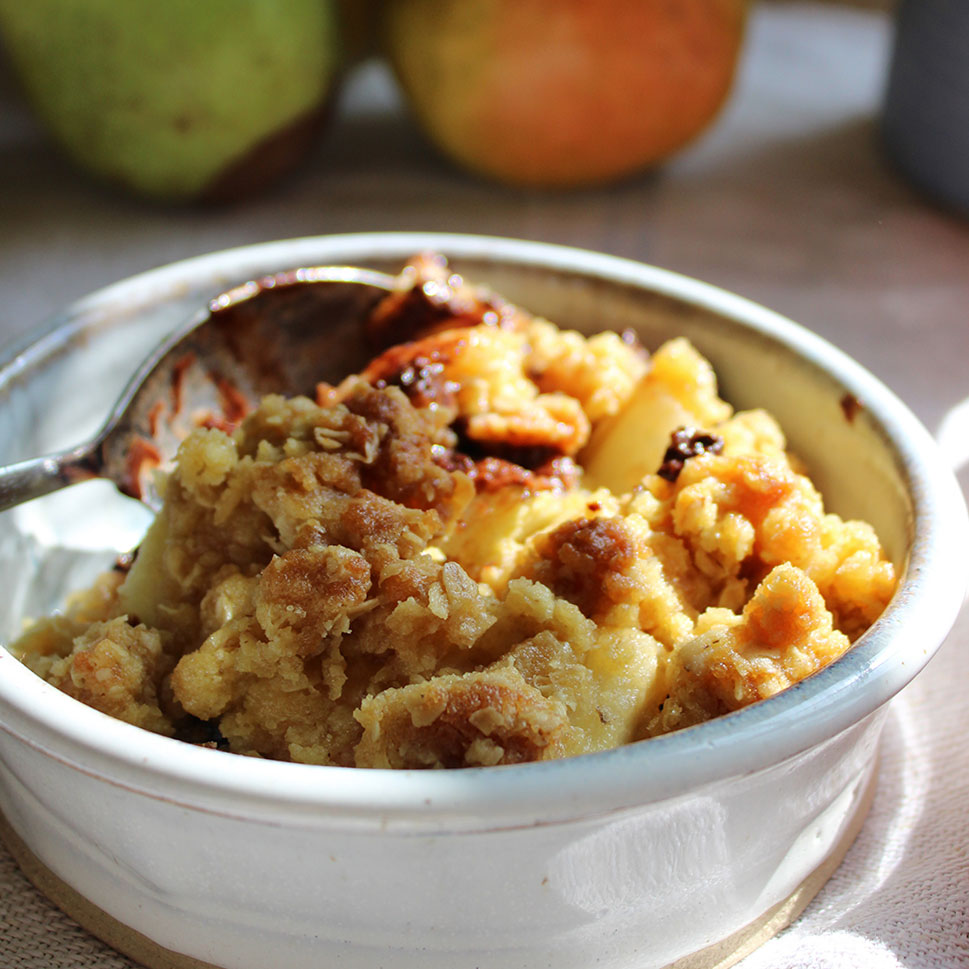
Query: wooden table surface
[{"x": 788, "y": 200}]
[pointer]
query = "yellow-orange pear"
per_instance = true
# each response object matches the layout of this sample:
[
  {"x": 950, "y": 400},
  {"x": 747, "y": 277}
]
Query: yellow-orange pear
[{"x": 563, "y": 92}]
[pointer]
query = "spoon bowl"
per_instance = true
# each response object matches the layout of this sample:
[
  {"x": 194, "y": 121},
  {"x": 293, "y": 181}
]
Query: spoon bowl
[{"x": 281, "y": 333}]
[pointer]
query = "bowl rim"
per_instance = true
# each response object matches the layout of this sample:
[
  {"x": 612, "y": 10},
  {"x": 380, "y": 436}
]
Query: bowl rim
[{"x": 757, "y": 737}]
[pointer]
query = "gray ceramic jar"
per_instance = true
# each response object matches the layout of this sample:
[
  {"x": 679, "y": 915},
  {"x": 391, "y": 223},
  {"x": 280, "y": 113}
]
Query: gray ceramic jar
[{"x": 926, "y": 119}]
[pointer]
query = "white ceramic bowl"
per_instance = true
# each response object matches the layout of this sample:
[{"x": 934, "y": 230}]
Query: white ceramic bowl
[{"x": 701, "y": 841}]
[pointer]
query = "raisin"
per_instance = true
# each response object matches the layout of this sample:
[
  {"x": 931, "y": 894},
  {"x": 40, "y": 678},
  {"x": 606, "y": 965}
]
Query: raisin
[{"x": 685, "y": 443}]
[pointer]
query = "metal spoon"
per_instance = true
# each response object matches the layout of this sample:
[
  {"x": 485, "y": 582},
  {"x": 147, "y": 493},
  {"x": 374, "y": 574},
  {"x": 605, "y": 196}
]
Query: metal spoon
[{"x": 279, "y": 334}]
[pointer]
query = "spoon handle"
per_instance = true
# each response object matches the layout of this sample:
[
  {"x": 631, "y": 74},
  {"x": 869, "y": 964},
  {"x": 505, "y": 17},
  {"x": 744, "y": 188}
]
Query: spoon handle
[{"x": 40, "y": 476}]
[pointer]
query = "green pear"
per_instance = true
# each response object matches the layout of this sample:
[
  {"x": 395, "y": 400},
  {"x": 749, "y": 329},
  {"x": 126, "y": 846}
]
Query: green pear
[{"x": 177, "y": 99}]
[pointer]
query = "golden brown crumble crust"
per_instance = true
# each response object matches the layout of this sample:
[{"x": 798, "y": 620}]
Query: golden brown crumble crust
[{"x": 466, "y": 556}]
